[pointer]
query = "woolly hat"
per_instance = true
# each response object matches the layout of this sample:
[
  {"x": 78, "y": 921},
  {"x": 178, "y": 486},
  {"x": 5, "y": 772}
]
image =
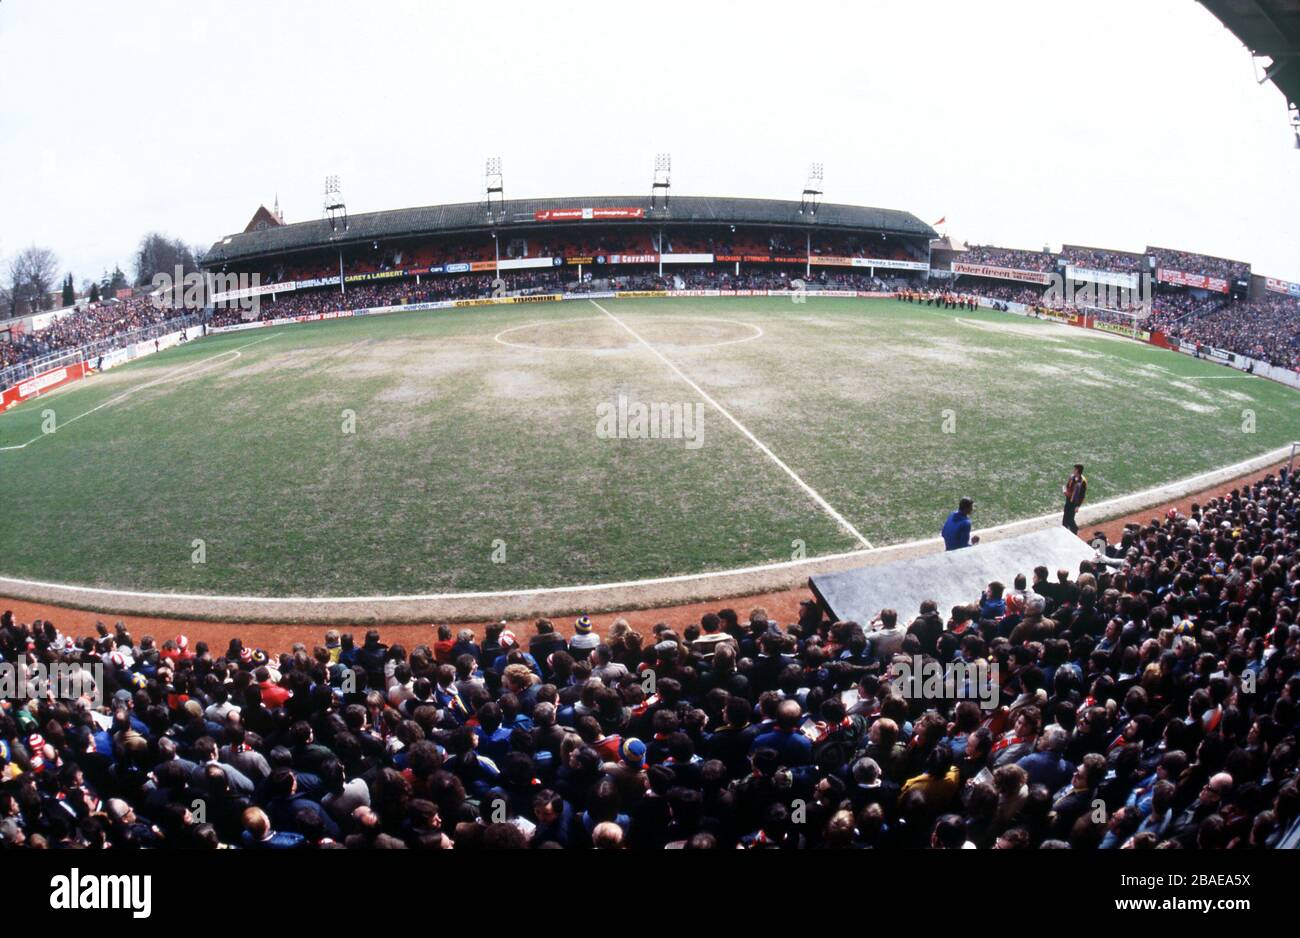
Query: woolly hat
[{"x": 632, "y": 751}]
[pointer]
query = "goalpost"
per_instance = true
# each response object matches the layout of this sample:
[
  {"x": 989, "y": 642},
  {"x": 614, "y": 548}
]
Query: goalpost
[{"x": 1118, "y": 321}]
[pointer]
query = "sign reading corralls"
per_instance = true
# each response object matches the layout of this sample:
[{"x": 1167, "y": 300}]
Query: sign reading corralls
[{"x": 658, "y": 420}]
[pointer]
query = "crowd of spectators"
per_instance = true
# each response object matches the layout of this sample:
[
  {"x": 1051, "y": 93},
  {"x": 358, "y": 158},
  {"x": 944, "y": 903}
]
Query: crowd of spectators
[
  {"x": 87, "y": 325},
  {"x": 1147, "y": 700},
  {"x": 1267, "y": 329},
  {"x": 1168, "y": 308},
  {"x": 1191, "y": 263},
  {"x": 988, "y": 255},
  {"x": 776, "y": 278},
  {"x": 1103, "y": 259},
  {"x": 476, "y": 286},
  {"x": 395, "y": 292}
]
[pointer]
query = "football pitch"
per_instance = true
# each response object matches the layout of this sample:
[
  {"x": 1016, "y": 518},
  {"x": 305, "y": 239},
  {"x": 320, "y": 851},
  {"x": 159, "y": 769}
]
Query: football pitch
[{"x": 541, "y": 445}]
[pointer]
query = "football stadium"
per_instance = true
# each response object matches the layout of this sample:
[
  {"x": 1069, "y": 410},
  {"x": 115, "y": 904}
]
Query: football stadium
[{"x": 654, "y": 521}]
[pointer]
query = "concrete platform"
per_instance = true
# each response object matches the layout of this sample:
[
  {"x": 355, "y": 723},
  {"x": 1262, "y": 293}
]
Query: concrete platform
[{"x": 949, "y": 578}]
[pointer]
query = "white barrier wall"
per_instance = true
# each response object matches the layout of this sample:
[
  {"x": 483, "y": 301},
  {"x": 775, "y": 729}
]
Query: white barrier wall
[
  {"x": 141, "y": 349},
  {"x": 1242, "y": 363}
]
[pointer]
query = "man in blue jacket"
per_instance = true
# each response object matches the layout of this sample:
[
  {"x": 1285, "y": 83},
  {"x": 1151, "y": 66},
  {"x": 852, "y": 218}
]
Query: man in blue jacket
[
  {"x": 792, "y": 746},
  {"x": 956, "y": 530},
  {"x": 1046, "y": 765}
]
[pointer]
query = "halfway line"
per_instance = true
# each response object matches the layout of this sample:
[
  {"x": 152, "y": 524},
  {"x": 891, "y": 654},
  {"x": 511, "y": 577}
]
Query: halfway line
[{"x": 812, "y": 493}]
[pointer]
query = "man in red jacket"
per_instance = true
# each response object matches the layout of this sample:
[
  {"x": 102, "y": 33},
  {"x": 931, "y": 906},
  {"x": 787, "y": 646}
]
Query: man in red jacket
[{"x": 273, "y": 695}]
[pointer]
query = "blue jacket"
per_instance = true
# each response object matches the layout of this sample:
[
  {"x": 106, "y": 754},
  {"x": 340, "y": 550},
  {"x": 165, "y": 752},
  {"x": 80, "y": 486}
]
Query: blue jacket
[
  {"x": 495, "y": 745},
  {"x": 1046, "y": 768},
  {"x": 956, "y": 531},
  {"x": 795, "y": 749},
  {"x": 279, "y": 840}
]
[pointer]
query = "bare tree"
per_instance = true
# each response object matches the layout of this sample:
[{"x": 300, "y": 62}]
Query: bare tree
[
  {"x": 32, "y": 276},
  {"x": 158, "y": 253}
]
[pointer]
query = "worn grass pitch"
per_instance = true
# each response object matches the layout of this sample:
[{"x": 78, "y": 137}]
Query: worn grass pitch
[{"x": 476, "y": 464}]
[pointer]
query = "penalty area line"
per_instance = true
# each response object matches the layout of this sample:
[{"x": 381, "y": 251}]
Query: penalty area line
[{"x": 762, "y": 447}]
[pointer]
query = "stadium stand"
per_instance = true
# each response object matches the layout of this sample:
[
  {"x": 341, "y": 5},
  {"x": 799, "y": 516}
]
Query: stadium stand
[
  {"x": 1201, "y": 264},
  {"x": 522, "y": 215},
  {"x": 1008, "y": 257},
  {"x": 1104, "y": 259},
  {"x": 88, "y": 327},
  {"x": 1267, "y": 329},
  {"x": 1169, "y": 308},
  {"x": 1159, "y": 680},
  {"x": 480, "y": 285}
]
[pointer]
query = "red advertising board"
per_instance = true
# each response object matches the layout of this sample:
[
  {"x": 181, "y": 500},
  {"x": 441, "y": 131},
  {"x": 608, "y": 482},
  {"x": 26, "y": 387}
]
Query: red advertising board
[
  {"x": 46, "y": 381},
  {"x": 1200, "y": 281},
  {"x": 587, "y": 214}
]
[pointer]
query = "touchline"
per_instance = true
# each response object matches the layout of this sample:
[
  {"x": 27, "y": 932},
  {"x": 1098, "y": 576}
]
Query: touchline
[{"x": 103, "y": 891}]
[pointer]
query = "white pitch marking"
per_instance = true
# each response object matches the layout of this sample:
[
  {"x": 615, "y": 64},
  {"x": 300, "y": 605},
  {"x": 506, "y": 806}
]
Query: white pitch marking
[
  {"x": 148, "y": 384},
  {"x": 762, "y": 447}
]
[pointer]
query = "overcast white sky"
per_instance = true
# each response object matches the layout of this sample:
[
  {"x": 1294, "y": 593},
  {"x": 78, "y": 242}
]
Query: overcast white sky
[{"x": 1111, "y": 123}]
